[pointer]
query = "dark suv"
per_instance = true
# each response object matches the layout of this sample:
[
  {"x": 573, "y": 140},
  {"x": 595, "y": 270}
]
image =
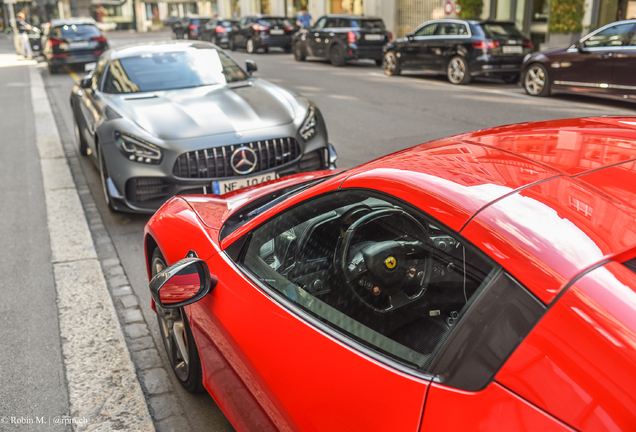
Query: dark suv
[
  {"x": 72, "y": 41},
  {"x": 460, "y": 49},
  {"x": 189, "y": 27},
  {"x": 339, "y": 38},
  {"x": 262, "y": 32},
  {"x": 218, "y": 31}
]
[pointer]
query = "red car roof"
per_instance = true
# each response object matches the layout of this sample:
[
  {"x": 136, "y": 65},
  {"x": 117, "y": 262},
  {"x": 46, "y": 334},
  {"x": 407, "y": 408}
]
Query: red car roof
[{"x": 547, "y": 200}]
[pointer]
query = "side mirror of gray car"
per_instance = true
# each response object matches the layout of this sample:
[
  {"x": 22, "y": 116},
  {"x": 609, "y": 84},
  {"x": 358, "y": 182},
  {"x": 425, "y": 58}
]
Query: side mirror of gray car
[
  {"x": 251, "y": 66},
  {"x": 85, "y": 83},
  {"x": 409, "y": 35}
]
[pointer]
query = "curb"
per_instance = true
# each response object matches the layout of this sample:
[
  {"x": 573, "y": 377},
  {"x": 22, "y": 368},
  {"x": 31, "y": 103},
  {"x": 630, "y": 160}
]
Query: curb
[
  {"x": 104, "y": 392},
  {"x": 153, "y": 377}
]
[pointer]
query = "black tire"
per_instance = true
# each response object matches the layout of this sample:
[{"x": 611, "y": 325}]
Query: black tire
[
  {"x": 79, "y": 138},
  {"x": 103, "y": 174},
  {"x": 176, "y": 333},
  {"x": 249, "y": 46},
  {"x": 391, "y": 64},
  {"x": 457, "y": 71},
  {"x": 288, "y": 49},
  {"x": 337, "y": 56},
  {"x": 536, "y": 80},
  {"x": 231, "y": 45},
  {"x": 378, "y": 62},
  {"x": 299, "y": 53}
]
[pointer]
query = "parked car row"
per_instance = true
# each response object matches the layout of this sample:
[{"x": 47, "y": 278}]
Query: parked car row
[{"x": 601, "y": 63}]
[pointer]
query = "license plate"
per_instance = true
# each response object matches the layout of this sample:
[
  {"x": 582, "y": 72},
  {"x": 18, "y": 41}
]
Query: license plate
[
  {"x": 225, "y": 186},
  {"x": 78, "y": 45},
  {"x": 373, "y": 37},
  {"x": 512, "y": 49},
  {"x": 277, "y": 31}
]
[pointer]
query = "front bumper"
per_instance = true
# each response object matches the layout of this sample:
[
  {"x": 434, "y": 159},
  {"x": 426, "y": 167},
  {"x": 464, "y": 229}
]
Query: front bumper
[{"x": 143, "y": 188}]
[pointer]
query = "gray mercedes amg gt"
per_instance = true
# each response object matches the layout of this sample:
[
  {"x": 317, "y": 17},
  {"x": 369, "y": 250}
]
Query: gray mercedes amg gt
[{"x": 172, "y": 118}]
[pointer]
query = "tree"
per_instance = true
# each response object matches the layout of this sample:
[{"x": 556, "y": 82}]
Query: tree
[
  {"x": 470, "y": 9},
  {"x": 566, "y": 16}
]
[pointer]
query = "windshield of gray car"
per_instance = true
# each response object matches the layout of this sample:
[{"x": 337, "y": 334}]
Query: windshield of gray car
[{"x": 170, "y": 71}]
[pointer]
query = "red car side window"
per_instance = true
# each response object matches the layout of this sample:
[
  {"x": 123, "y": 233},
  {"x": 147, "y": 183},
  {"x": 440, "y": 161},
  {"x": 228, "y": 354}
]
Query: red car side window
[{"x": 372, "y": 268}]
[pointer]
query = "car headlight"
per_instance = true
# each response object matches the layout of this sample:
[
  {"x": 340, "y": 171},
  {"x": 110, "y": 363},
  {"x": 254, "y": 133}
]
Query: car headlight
[
  {"x": 308, "y": 128},
  {"x": 137, "y": 150}
]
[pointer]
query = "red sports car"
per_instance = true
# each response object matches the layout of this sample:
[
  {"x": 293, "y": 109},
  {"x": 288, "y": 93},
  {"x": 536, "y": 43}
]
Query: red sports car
[{"x": 480, "y": 282}]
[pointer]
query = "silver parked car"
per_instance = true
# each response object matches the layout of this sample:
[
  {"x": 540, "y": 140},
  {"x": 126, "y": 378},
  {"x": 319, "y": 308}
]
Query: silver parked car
[{"x": 174, "y": 118}]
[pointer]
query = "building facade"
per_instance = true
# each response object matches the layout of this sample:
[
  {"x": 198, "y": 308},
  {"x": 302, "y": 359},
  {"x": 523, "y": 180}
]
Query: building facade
[{"x": 400, "y": 16}]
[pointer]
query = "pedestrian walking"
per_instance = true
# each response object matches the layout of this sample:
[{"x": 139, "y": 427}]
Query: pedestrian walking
[
  {"x": 23, "y": 28},
  {"x": 304, "y": 19}
]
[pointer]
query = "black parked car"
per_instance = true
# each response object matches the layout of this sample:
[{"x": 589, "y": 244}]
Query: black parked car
[
  {"x": 602, "y": 63},
  {"x": 189, "y": 27},
  {"x": 460, "y": 49},
  {"x": 339, "y": 38},
  {"x": 218, "y": 31},
  {"x": 72, "y": 41},
  {"x": 262, "y": 32},
  {"x": 170, "y": 20}
]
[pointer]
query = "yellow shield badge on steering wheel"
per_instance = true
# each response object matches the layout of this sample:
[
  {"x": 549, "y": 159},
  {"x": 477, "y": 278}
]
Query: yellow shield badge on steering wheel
[{"x": 390, "y": 262}]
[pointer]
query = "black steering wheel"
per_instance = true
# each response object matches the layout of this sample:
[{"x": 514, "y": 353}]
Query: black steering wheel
[{"x": 386, "y": 275}]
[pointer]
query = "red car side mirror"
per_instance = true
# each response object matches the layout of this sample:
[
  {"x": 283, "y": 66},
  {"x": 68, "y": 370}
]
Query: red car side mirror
[{"x": 183, "y": 283}]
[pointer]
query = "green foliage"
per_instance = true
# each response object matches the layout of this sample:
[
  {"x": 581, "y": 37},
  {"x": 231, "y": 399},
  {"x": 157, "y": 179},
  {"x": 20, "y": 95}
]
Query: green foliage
[
  {"x": 566, "y": 16},
  {"x": 470, "y": 9}
]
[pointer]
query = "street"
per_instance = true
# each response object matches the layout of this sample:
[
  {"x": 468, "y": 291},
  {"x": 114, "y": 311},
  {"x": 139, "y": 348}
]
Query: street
[{"x": 368, "y": 115}]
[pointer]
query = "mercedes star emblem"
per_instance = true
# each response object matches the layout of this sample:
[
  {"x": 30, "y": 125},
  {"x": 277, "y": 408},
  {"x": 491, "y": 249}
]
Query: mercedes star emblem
[{"x": 243, "y": 160}]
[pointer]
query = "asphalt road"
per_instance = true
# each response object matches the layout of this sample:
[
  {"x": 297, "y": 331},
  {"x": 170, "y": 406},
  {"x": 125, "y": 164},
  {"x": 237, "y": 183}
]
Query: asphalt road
[{"x": 367, "y": 114}]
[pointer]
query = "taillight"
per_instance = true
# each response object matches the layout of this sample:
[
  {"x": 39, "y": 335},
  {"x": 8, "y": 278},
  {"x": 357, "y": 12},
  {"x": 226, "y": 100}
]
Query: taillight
[
  {"x": 53, "y": 42},
  {"x": 528, "y": 44},
  {"x": 289, "y": 28},
  {"x": 219, "y": 29},
  {"x": 351, "y": 37},
  {"x": 99, "y": 39},
  {"x": 258, "y": 27},
  {"x": 390, "y": 36},
  {"x": 485, "y": 44}
]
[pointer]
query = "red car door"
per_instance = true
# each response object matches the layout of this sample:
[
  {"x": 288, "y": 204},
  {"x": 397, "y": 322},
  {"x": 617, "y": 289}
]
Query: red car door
[{"x": 337, "y": 313}]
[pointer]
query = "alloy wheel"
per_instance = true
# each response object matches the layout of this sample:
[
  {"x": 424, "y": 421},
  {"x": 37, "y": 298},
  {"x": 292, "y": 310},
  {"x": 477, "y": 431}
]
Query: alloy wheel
[
  {"x": 456, "y": 70},
  {"x": 535, "y": 81},
  {"x": 177, "y": 338},
  {"x": 172, "y": 330},
  {"x": 390, "y": 64}
]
